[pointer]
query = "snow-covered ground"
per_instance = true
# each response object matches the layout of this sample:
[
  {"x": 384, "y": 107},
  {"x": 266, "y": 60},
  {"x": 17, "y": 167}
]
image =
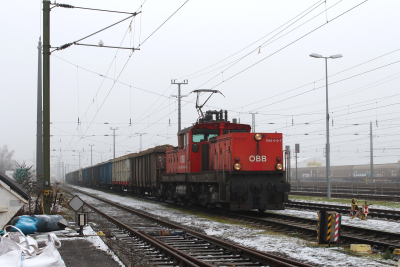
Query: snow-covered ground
[{"x": 295, "y": 248}]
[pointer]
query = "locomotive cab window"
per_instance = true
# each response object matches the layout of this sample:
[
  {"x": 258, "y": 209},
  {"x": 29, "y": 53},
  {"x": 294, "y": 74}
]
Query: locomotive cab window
[{"x": 201, "y": 135}]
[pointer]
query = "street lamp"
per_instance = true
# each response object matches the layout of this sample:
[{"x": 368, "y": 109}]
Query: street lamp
[
  {"x": 327, "y": 148},
  {"x": 140, "y": 150}
]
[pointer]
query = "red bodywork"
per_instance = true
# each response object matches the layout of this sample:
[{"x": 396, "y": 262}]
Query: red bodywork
[{"x": 253, "y": 155}]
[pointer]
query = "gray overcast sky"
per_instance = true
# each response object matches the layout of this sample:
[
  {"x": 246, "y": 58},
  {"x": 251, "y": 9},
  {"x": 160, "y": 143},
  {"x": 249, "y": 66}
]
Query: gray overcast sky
[{"x": 255, "y": 52}]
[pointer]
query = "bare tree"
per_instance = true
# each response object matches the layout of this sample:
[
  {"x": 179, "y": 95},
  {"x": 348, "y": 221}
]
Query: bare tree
[{"x": 6, "y": 161}]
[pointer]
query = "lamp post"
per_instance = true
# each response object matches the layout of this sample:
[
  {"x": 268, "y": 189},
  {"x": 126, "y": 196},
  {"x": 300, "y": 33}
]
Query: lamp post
[{"x": 327, "y": 148}]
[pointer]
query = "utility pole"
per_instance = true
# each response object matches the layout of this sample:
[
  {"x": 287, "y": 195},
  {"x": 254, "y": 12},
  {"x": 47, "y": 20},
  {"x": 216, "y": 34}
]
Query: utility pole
[
  {"x": 46, "y": 105},
  {"x": 39, "y": 119},
  {"x": 140, "y": 150},
  {"x": 111, "y": 128},
  {"x": 371, "y": 153},
  {"x": 179, "y": 100},
  {"x": 101, "y": 156},
  {"x": 91, "y": 155},
  {"x": 253, "y": 121},
  {"x": 46, "y": 96},
  {"x": 297, "y": 150},
  {"x": 79, "y": 155}
]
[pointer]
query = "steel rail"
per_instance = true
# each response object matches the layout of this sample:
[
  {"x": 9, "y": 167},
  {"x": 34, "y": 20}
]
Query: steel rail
[
  {"x": 310, "y": 225},
  {"x": 262, "y": 257},
  {"x": 343, "y": 195},
  {"x": 375, "y": 213},
  {"x": 176, "y": 254}
]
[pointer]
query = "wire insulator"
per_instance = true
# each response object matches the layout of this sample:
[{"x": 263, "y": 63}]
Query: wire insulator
[
  {"x": 65, "y": 5},
  {"x": 64, "y": 46}
]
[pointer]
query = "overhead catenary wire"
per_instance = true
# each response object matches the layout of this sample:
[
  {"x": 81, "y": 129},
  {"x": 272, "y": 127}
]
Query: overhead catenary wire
[
  {"x": 162, "y": 24},
  {"x": 265, "y": 43},
  {"x": 317, "y": 28},
  {"x": 187, "y": 76}
]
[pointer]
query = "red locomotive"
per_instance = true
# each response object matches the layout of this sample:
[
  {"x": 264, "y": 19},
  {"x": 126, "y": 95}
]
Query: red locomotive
[{"x": 222, "y": 164}]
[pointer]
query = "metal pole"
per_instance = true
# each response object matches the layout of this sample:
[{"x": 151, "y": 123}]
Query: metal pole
[
  {"x": 297, "y": 178},
  {"x": 140, "y": 150},
  {"x": 46, "y": 104},
  {"x": 114, "y": 137},
  {"x": 39, "y": 119},
  {"x": 179, "y": 113},
  {"x": 253, "y": 121},
  {"x": 371, "y": 153},
  {"x": 179, "y": 102},
  {"x": 328, "y": 178},
  {"x": 91, "y": 155}
]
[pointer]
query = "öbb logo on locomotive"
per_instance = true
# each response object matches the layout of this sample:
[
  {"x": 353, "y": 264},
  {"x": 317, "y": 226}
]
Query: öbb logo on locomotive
[
  {"x": 258, "y": 158},
  {"x": 218, "y": 155}
]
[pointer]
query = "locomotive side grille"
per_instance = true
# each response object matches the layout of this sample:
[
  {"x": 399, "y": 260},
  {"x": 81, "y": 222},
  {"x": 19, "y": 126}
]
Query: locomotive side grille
[{"x": 205, "y": 157}]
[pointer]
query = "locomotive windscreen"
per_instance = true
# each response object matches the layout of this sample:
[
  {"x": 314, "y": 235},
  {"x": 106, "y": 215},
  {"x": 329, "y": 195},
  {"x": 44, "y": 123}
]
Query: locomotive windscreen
[{"x": 201, "y": 135}]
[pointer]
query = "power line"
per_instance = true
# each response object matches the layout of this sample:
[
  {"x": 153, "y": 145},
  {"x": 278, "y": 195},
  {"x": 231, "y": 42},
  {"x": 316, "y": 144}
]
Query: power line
[
  {"x": 288, "y": 44},
  {"x": 163, "y": 23},
  {"x": 187, "y": 76}
]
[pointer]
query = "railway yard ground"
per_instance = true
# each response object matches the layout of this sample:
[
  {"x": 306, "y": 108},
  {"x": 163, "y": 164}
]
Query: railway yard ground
[{"x": 290, "y": 244}]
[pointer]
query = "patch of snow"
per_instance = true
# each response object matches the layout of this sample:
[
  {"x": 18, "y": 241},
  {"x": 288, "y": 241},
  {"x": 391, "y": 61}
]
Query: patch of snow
[{"x": 292, "y": 247}]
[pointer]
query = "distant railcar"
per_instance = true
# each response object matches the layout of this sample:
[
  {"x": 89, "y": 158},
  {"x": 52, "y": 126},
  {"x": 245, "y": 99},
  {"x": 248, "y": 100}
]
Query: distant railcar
[
  {"x": 382, "y": 172},
  {"x": 147, "y": 170},
  {"x": 121, "y": 173},
  {"x": 106, "y": 174}
]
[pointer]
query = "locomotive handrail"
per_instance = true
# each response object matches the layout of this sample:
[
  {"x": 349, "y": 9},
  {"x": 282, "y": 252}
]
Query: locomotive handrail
[
  {"x": 287, "y": 165},
  {"x": 223, "y": 165}
]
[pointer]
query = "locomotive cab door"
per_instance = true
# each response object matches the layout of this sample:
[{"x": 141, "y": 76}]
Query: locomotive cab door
[{"x": 183, "y": 153}]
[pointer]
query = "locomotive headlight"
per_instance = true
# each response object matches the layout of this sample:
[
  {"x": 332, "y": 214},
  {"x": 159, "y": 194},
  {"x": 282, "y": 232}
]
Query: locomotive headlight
[
  {"x": 279, "y": 166},
  {"x": 237, "y": 166},
  {"x": 257, "y": 137}
]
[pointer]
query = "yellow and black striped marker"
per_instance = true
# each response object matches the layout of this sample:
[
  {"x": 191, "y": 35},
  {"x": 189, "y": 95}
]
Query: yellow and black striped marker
[
  {"x": 319, "y": 217},
  {"x": 328, "y": 234}
]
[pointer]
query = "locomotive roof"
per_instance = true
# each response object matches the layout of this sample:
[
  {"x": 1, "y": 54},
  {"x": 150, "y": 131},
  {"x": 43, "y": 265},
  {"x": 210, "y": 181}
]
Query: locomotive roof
[{"x": 208, "y": 124}]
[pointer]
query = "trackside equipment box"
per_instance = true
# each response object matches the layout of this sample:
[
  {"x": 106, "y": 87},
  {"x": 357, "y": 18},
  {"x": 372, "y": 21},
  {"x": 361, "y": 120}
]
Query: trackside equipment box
[{"x": 329, "y": 224}]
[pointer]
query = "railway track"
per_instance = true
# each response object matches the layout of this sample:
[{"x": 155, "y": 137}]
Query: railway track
[
  {"x": 350, "y": 234},
  {"x": 292, "y": 224},
  {"x": 373, "y": 213},
  {"x": 189, "y": 248},
  {"x": 349, "y": 196}
]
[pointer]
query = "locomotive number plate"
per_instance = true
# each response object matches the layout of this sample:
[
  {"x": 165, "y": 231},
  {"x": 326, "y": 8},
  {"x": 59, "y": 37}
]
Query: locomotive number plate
[{"x": 273, "y": 140}]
